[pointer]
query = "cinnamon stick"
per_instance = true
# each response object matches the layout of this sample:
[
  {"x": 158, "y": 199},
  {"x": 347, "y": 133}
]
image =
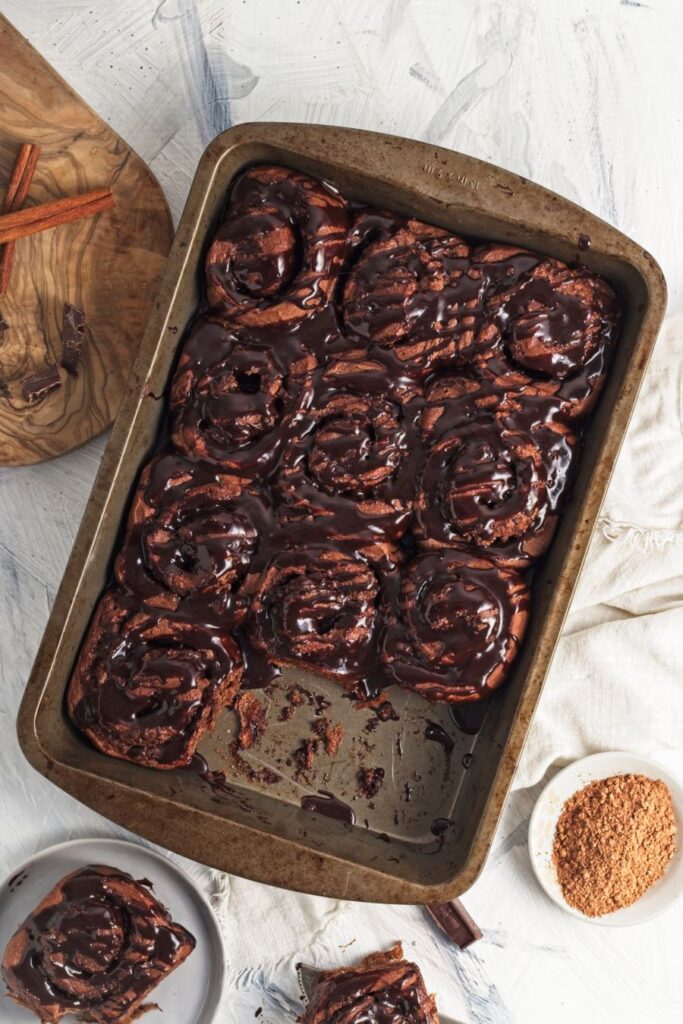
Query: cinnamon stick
[
  {"x": 15, "y": 197},
  {"x": 30, "y": 221}
]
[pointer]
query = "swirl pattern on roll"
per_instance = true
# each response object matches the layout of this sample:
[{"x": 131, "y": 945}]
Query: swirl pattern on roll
[
  {"x": 417, "y": 294},
  {"x": 276, "y": 257},
  {"x": 95, "y": 947},
  {"x": 548, "y": 324},
  {"x": 458, "y": 623},
  {"x": 192, "y": 533},
  {"x": 383, "y": 989},
  {"x": 319, "y": 605},
  {"x": 234, "y": 402},
  {"x": 494, "y": 483},
  {"x": 147, "y": 686},
  {"x": 354, "y": 458}
]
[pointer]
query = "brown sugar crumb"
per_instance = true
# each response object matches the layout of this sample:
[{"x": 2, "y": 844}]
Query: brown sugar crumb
[
  {"x": 252, "y": 719},
  {"x": 304, "y": 756},
  {"x": 370, "y": 781},
  {"x": 331, "y": 735},
  {"x": 613, "y": 840}
]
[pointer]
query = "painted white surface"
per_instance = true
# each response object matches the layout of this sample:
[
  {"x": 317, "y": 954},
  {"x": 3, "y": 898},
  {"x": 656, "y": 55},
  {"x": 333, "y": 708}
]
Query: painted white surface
[{"x": 582, "y": 96}]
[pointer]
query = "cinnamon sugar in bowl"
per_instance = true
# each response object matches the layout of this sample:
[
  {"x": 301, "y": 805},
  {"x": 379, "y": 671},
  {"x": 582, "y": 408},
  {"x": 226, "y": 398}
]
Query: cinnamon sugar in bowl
[
  {"x": 604, "y": 839},
  {"x": 614, "y": 839}
]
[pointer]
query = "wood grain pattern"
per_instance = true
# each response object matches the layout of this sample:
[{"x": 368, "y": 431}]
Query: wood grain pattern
[{"x": 108, "y": 266}]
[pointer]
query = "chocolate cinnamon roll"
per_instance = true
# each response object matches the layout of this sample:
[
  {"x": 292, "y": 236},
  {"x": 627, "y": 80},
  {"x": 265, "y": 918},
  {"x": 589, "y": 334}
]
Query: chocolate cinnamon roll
[
  {"x": 233, "y": 402},
  {"x": 147, "y": 685},
  {"x": 94, "y": 948},
  {"x": 494, "y": 482},
  {"x": 554, "y": 325},
  {"x": 355, "y": 457},
  {"x": 276, "y": 257},
  {"x": 383, "y": 989},
  {"x": 192, "y": 532},
  {"x": 457, "y": 626},
  {"x": 417, "y": 294},
  {"x": 320, "y": 605}
]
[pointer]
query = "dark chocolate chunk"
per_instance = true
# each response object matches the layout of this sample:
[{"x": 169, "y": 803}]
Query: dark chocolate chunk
[
  {"x": 40, "y": 384},
  {"x": 455, "y": 922},
  {"x": 73, "y": 336}
]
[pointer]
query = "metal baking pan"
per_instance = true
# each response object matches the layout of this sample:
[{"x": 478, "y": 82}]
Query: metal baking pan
[{"x": 391, "y": 853}]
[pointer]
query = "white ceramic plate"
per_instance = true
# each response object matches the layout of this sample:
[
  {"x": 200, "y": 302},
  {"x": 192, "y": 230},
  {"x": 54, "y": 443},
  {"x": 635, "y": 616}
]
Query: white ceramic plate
[
  {"x": 190, "y": 994},
  {"x": 544, "y": 819}
]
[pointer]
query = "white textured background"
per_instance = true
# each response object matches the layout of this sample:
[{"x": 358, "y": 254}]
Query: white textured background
[{"x": 584, "y": 97}]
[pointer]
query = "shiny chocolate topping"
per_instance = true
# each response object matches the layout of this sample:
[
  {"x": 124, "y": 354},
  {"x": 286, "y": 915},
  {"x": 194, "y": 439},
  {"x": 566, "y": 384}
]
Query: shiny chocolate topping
[
  {"x": 96, "y": 945},
  {"x": 371, "y": 429},
  {"x": 279, "y": 250}
]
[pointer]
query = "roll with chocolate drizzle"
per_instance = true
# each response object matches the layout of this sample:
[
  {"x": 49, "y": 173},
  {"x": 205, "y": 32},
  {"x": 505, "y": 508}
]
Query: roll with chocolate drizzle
[
  {"x": 276, "y": 257},
  {"x": 235, "y": 402},
  {"x": 457, "y": 625},
  {"x": 192, "y": 535},
  {"x": 383, "y": 989},
  {"x": 417, "y": 294},
  {"x": 494, "y": 480},
  {"x": 148, "y": 685},
  {"x": 94, "y": 948},
  {"x": 321, "y": 605},
  {"x": 354, "y": 459},
  {"x": 546, "y": 325}
]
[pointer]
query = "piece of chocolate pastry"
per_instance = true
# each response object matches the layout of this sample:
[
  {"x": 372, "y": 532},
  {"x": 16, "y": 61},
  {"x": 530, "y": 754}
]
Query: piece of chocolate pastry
[
  {"x": 192, "y": 535},
  {"x": 417, "y": 294},
  {"x": 234, "y": 402},
  {"x": 457, "y": 626},
  {"x": 383, "y": 989},
  {"x": 321, "y": 605},
  {"x": 353, "y": 460},
  {"x": 148, "y": 684},
  {"x": 276, "y": 256},
  {"x": 550, "y": 325},
  {"x": 494, "y": 476},
  {"x": 94, "y": 949}
]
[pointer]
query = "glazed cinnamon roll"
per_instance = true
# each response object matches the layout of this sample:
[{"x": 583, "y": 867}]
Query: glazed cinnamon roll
[
  {"x": 276, "y": 257},
  {"x": 495, "y": 481},
  {"x": 148, "y": 685},
  {"x": 192, "y": 532},
  {"x": 234, "y": 402},
  {"x": 94, "y": 948},
  {"x": 416, "y": 294},
  {"x": 457, "y": 626},
  {"x": 553, "y": 326},
  {"x": 383, "y": 989},
  {"x": 354, "y": 459},
  {"x": 320, "y": 605}
]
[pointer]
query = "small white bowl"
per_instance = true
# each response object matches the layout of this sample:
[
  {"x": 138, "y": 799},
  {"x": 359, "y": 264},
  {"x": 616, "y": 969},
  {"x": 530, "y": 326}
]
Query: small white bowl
[{"x": 659, "y": 897}]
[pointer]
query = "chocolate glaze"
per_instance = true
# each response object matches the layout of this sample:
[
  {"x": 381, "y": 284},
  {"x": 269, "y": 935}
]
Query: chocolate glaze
[
  {"x": 277, "y": 254},
  {"x": 383, "y": 989},
  {"x": 368, "y": 430},
  {"x": 95, "y": 947},
  {"x": 330, "y": 806},
  {"x": 436, "y": 734},
  {"x": 456, "y": 624},
  {"x": 495, "y": 475},
  {"x": 148, "y": 685},
  {"x": 193, "y": 532}
]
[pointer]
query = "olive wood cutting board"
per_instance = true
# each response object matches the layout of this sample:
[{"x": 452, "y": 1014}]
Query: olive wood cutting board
[{"x": 108, "y": 266}]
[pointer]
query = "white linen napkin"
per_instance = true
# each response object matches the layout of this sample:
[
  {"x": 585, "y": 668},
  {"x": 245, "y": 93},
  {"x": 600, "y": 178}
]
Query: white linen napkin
[{"x": 616, "y": 681}]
